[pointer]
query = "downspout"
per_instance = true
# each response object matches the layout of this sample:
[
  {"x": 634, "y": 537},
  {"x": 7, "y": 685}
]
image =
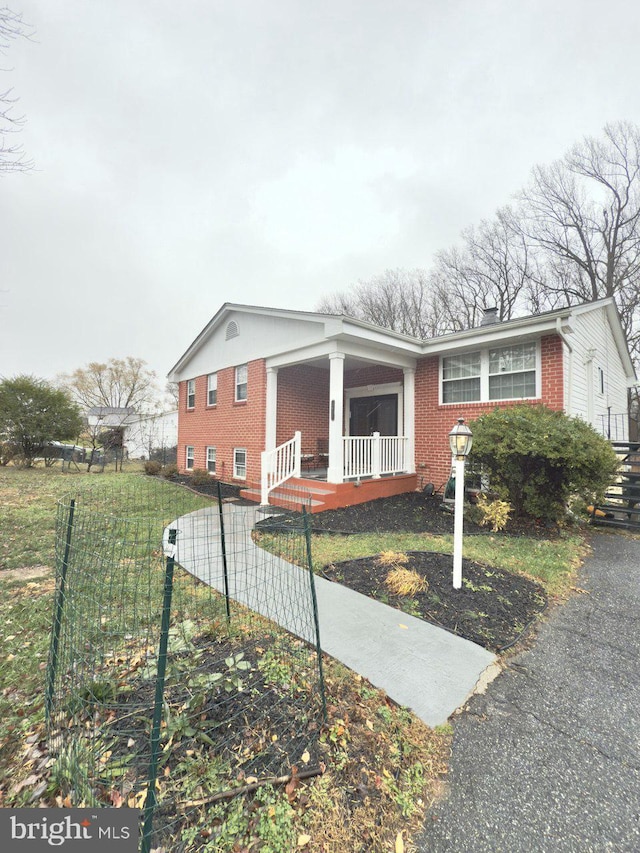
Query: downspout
[{"x": 569, "y": 384}]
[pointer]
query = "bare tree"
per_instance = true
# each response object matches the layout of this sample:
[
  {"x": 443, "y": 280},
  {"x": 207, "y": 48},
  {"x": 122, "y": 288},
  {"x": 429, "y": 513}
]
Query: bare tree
[
  {"x": 12, "y": 158},
  {"x": 121, "y": 383},
  {"x": 582, "y": 215},
  {"x": 398, "y": 299}
]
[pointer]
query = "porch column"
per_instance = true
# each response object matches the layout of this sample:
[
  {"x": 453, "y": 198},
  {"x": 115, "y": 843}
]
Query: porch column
[
  {"x": 409, "y": 398},
  {"x": 271, "y": 413},
  {"x": 335, "y": 472}
]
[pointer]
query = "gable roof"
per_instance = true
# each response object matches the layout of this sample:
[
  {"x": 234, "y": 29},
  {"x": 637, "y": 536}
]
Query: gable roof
[{"x": 342, "y": 328}]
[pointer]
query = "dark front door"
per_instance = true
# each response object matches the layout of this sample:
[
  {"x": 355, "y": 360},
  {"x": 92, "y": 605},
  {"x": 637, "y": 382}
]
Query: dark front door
[{"x": 374, "y": 414}]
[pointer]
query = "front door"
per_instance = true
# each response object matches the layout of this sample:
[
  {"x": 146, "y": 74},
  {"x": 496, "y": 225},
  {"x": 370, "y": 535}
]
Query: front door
[{"x": 374, "y": 414}]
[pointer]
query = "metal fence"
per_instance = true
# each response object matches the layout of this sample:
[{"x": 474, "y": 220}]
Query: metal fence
[{"x": 184, "y": 666}]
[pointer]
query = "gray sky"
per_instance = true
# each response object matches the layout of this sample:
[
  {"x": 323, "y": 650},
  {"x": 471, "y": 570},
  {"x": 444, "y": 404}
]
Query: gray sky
[{"x": 272, "y": 151}]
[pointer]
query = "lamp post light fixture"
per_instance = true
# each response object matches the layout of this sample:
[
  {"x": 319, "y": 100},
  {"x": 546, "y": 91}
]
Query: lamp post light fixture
[{"x": 460, "y": 441}]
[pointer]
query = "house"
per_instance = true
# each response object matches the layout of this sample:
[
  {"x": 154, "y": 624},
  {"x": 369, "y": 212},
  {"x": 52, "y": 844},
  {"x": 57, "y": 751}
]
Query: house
[
  {"x": 151, "y": 433},
  {"x": 348, "y": 411}
]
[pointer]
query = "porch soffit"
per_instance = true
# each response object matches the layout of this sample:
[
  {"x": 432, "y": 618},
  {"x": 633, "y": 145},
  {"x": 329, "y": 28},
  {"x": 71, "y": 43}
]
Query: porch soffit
[{"x": 356, "y": 355}]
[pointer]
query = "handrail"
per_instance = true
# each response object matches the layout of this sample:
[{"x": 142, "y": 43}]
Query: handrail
[
  {"x": 374, "y": 455},
  {"x": 278, "y": 465}
]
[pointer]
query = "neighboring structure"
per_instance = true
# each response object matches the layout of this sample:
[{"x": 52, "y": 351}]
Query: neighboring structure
[
  {"x": 148, "y": 434},
  {"x": 373, "y": 407}
]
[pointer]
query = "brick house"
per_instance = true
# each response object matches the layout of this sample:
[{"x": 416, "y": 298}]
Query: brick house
[{"x": 347, "y": 411}]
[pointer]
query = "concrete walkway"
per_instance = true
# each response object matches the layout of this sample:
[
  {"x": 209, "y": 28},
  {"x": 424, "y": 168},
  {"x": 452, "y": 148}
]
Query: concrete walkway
[
  {"x": 418, "y": 665},
  {"x": 549, "y": 758}
]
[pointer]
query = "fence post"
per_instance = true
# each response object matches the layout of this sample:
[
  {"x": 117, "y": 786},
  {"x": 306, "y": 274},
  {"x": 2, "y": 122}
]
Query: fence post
[
  {"x": 150, "y": 803},
  {"x": 59, "y": 607},
  {"x": 316, "y": 621},
  {"x": 223, "y": 545}
]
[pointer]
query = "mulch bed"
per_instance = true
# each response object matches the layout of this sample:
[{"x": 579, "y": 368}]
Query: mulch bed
[{"x": 493, "y": 608}]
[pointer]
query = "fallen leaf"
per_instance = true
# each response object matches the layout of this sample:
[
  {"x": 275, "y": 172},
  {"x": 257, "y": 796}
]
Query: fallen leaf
[
  {"x": 305, "y": 757},
  {"x": 303, "y": 840},
  {"x": 369, "y": 725},
  {"x": 400, "y": 625},
  {"x": 399, "y": 843}
]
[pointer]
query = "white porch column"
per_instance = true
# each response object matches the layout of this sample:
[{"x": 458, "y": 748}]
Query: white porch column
[
  {"x": 271, "y": 413},
  {"x": 335, "y": 472},
  {"x": 410, "y": 417}
]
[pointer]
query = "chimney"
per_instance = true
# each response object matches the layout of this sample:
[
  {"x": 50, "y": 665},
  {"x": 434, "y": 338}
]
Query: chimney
[{"x": 489, "y": 317}]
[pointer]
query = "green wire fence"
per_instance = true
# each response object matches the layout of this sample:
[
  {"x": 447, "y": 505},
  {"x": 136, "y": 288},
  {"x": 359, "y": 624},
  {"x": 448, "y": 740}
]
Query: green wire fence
[{"x": 185, "y": 665}]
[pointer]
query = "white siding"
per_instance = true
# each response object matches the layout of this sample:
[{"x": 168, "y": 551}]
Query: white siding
[
  {"x": 594, "y": 348},
  {"x": 259, "y": 336},
  {"x": 151, "y": 431}
]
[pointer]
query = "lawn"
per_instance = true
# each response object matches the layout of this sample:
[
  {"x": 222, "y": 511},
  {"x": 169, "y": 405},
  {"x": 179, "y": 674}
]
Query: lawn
[{"x": 381, "y": 765}]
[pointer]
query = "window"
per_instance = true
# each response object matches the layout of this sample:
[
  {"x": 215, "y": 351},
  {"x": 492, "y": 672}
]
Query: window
[
  {"x": 503, "y": 373},
  {"x": 240, "y": 463},
  {"x": 191, "y": 393},
  {"x": 190, "y": 456},
  {"x": 512, "y": 372},
  {"x": 211, "y": 460},
  {"x": 212, "y": 389},
  {"x": 600, "y": 380},
  {"x": 241, "y": 383},
  {"x": 461, "y": 378}
]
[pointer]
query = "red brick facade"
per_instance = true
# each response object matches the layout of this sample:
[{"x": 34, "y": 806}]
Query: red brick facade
[
  {"x": 227, "y": 425},
  {"x": 434, "y": 421},
  {"x": 303, "y": 404}
]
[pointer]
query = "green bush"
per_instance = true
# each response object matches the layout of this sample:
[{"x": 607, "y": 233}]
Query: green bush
[
  {"x": 152, "y": 468},
  {"x": 200, "y": 477},
  {"x": 537, "y": 459}
]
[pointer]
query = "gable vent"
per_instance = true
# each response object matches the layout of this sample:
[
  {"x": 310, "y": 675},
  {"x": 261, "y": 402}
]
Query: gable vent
[{"x": 232, "y": 331}]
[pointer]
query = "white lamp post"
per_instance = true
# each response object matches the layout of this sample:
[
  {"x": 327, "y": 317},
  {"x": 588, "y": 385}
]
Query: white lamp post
[{"x": 460, "y": 441}]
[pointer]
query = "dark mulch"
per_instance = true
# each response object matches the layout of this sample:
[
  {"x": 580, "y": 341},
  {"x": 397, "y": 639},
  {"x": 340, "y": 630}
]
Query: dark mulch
[
  {"x": 210, "y": 487},
  {"x": 493, "y": 608}
]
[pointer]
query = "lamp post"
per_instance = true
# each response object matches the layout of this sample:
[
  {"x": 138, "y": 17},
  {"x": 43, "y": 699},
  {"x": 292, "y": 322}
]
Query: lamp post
[{"x": 460, "y": 441}]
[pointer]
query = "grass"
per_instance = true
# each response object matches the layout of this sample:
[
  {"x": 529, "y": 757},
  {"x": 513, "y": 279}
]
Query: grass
[
  {"x": 383, "y": 765},
  {"x": 551, "y": 562}
]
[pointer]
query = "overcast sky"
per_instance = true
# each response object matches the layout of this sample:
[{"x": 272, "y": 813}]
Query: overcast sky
[{"x": 272, "y": 151}]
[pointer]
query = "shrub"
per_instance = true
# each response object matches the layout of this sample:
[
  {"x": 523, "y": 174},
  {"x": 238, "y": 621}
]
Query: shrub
[
  {"x": 537, "y": 458},
  {"x": 152, "y": 468},
  {"x": 496, "y": 513},
  {"x": 200, "y": 477},
  {"x": 170, "y": 471}
]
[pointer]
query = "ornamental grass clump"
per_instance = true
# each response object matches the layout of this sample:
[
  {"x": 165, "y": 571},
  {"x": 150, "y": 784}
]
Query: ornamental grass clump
[
  {"x": 405, "y": 582},
  {"x": 496, "y": 513}
]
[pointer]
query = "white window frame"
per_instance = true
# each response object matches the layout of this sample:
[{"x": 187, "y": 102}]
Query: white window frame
[
  {"x": 210, "y": 460},
  {"x": 191, "y": 393},
  {"x": 236, "y": 464},
  {"x": 240, "y": 384},
  {"x": 212, "y": 389},
  {"x": 484, "y": 375},
  {"x": 460, "y": 378},
  {"x": 189, "y": 456}
]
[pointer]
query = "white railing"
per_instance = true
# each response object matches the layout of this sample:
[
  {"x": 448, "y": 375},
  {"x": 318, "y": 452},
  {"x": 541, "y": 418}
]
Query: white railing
[
  {"x": 375, "y": 455},
  {"x": 278, "y": 465}
]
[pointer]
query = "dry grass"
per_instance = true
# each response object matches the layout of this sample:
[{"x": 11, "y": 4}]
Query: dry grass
[{"x": 405, "y": 582}]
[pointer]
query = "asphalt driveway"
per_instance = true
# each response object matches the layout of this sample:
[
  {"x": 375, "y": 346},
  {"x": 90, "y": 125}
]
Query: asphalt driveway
[{"x": 549, "y": 758}]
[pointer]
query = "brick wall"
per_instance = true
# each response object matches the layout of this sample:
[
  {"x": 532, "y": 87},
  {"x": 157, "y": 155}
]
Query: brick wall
[
  {"x": 434, "y": 421},
  {"x": 227, "y": 425},
  {"x": 303, "y": 404}
]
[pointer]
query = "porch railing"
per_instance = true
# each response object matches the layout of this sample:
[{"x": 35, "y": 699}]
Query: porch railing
[
  {"x": 375, "y": 455},
  {"x": 278, "y": 465}
]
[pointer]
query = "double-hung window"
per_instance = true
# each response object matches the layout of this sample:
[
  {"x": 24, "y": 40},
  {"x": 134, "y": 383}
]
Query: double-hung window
[
  {"x": 512, "y": 372},
  {"x": 502, "y": 373},
  {"x": 241, "y": 383},
  {"x": 240, "y": 463},
  {"x": 212, "y": 389},
  {"x": 189, "y": 458},
  {"x": 461, "y": 378},
  {"x": 211, "y": 460},
  {"x": 191, "y": 394}
]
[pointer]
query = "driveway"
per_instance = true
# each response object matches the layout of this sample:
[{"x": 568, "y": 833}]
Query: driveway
[{"x": 549, "y": 758}]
